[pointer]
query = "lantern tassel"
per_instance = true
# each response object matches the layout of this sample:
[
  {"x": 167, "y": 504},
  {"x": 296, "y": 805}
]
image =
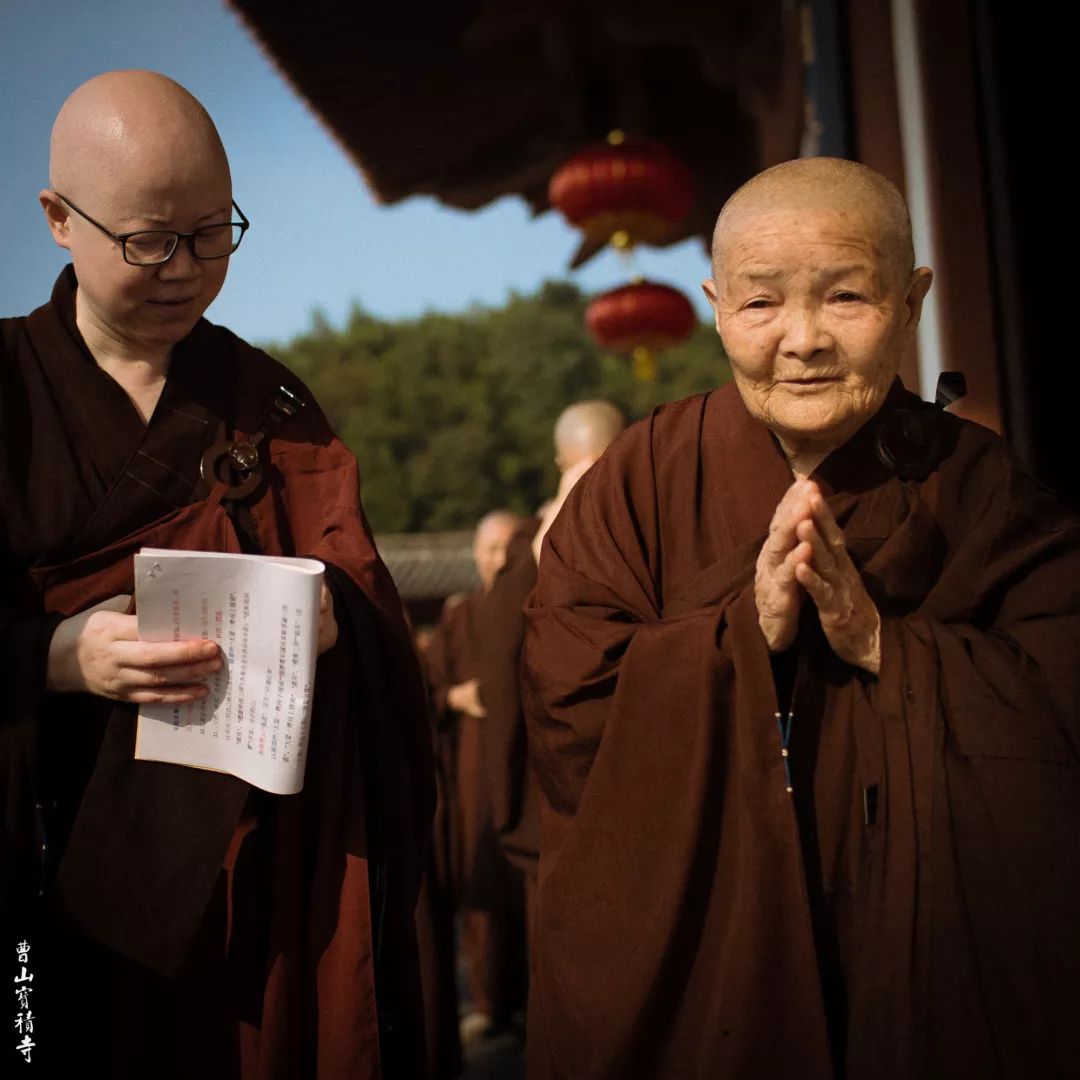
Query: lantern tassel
[{"x": 644, "y": 364}]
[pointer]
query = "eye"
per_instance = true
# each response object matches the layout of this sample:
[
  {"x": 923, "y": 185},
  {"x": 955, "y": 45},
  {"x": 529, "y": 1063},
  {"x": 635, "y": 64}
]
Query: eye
[
  {"x": 757, "y": 304},
  {"x": 846, "y": 297}
]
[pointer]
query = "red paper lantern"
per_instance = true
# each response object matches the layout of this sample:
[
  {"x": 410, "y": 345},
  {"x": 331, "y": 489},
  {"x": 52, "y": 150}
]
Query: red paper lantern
[
  {"x": 624, "y": 191},
  {"x": 642, "y": 319}
]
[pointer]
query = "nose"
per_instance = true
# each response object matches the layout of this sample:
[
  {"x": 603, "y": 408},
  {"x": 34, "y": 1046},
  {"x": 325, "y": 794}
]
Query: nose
[
  {"x": 182, "y": 264},
  {"x": 804, "y": 335}
]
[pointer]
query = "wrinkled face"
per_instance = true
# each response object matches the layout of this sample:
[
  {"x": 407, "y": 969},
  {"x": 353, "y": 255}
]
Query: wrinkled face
[
  {"x": 148, "y": 306},
  {"x": 489, "y": 549},
  {"x": 814, "y": 320}
]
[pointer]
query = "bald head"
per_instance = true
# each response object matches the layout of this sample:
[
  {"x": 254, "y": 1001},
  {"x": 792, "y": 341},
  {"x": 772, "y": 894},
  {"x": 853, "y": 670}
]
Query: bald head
[
  {"x": 497, "y": 523},
  {"x": 816, "y": 184},
  {"x": 127, "y": 127},
  {"x": 584, "y": 431},
  {"x": 493, "y": 533},
  {"x": 133, "y": 151},
  {"x": 816, "y": 298}
]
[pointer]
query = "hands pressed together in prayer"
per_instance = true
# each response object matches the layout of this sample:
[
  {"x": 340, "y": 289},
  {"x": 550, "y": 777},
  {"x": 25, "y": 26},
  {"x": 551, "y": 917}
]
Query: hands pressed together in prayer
[
  {"x": 805, "y": 555},
  {"x": 98, "y": 652},
  {"x": 465, "y": 698}
]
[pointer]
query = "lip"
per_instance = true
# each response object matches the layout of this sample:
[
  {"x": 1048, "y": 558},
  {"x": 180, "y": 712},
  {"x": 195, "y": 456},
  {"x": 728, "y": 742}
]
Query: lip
[
  {"x": 173, "y": 309},
  {"x": 811, "y": 383}
]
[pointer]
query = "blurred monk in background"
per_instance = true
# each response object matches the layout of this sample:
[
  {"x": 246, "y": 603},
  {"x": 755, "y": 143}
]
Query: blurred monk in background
[
  {"x": 583, "y": 432},
  {"x": 483, "y": 888}
]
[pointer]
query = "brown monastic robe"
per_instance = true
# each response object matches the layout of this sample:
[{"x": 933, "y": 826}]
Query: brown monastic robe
[
  {"x": 454, "y": 658},
  {"x": 196, "y": 927},
  {"x": 913, "y": 909},
  {"x": 482, "y": 887},
  {"x": 435, "y": 923},
  {"x": 515, "y": 804}
]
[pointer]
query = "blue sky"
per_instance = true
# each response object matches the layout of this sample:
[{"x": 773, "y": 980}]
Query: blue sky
[{"x": 287, "y": 172}]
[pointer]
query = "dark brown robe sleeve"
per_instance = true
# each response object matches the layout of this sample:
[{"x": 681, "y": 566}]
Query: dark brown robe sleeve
[
  {"x": 388, "y": 701},
  {"x": 24, "y": 653},
  {"x": 24, "y": 634},
  {"x": 979, "y": 698},
  {"x": 340, "y": 536}
]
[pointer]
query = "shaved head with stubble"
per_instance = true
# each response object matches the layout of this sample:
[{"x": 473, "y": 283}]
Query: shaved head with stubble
[
  {"x": 816, "y": 183},
  {"x": 816, "y": 297}
]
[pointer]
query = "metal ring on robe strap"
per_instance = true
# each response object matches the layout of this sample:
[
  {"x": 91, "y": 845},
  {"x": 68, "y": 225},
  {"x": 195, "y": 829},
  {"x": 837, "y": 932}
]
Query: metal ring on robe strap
[
  {"x": 245, "y": 458},
  {"x": 241, "y": 458},
  {"x": 908, "y": 441}
]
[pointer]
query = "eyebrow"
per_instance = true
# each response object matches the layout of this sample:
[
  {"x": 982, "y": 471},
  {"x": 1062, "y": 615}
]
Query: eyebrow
[{"x": 157, "y": 222}]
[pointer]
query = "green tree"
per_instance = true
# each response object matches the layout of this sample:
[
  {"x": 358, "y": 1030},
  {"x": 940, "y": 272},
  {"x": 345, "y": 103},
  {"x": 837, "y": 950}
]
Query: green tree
[{"x": 451, "y": 415}]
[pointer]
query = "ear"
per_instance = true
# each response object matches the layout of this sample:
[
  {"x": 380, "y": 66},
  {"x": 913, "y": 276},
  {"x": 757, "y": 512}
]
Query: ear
[
  {"x": 57, "y": 217},
  {"x": 708, "y": 287},
  {"x": 919, "y": 286}
]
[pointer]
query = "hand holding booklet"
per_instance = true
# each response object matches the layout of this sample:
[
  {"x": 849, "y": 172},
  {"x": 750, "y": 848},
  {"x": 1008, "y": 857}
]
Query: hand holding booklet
[{"x": 263, "y": 612}]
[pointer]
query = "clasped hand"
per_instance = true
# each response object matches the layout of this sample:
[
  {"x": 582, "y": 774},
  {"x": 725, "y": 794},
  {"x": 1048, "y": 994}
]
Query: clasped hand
[
  {"x": 98, "y": 652},
  {"x": 805, "y": 555},
  {"x": 465, "y": 698}
]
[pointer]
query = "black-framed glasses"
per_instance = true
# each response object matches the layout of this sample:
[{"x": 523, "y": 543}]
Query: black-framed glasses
[{"x": 152, "y": 247}]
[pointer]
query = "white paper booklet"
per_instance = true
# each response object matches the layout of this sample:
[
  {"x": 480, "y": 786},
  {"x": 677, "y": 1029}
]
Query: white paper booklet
[{"x": 264, "y": 613}]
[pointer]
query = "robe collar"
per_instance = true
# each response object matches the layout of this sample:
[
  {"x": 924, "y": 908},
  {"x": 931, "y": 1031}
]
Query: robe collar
[
  {"x": 145, "y": 470},
  {"x": 752, "y": 470}
]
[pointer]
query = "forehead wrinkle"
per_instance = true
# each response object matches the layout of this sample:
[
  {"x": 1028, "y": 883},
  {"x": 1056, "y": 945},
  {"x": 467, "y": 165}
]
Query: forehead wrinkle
[
  {"x": 820, "y": 271},
  {"x": 759, "y": 275},
  {"x": 770, "y": 273}
]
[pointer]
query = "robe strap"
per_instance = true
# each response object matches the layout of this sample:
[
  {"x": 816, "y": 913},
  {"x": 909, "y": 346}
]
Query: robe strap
[
  {"x": 239, "y": 464},
  {"x": 784, "y": 724}
]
